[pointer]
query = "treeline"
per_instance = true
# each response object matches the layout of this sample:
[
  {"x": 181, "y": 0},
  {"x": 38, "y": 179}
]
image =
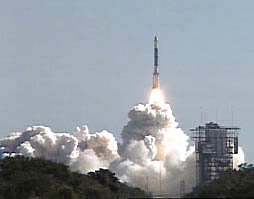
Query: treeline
[
  {"x": 34, "y": 178},
  {"x": 236, "y": 184}
]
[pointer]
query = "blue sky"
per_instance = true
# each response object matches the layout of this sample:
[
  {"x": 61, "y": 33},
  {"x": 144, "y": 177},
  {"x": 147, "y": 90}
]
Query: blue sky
[{"x": 67, "y": 63}]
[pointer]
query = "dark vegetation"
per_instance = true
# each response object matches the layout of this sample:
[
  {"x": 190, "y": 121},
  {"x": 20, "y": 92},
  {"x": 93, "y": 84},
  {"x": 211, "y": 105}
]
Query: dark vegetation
[
  {"x": 26, "y": 178},
  {"x": 236, "y": 184}
]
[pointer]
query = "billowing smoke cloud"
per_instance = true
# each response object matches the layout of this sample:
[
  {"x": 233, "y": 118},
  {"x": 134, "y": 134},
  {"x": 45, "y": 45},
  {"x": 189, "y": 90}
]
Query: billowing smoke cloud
[
  {"x": 84, "y": 152},
  {"x": 153, "y": 147},
  {"x": 39, "y": 141}
]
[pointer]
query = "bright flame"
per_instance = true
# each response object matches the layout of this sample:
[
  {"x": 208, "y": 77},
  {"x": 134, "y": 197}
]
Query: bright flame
[{"x": 156, "y": 97}]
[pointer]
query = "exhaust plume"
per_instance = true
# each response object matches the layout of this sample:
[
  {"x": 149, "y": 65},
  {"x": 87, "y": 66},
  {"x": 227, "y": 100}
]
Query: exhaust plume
[{"x": 153, "y": 147}]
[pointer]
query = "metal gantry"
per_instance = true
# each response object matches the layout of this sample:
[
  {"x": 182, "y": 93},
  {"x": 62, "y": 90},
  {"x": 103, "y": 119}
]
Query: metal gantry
[{"x": 214, "y": 147}]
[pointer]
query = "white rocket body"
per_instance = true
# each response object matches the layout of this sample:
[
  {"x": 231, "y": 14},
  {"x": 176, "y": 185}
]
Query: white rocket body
[{"x": 155, "y": 73}]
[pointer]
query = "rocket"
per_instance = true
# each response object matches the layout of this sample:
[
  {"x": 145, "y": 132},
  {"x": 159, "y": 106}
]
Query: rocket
[{"x": 155, "y": 73}]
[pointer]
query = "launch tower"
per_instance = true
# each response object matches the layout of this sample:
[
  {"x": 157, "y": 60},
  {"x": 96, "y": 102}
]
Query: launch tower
[{"x": 214, "y": 147}]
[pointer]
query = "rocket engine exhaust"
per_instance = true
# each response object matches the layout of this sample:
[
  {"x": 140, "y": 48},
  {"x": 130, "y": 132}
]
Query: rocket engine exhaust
[{"x": 156, "y": 96}]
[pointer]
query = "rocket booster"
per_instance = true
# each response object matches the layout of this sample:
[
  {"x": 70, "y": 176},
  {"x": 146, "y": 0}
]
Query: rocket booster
[{"x": 155, "y": 73}]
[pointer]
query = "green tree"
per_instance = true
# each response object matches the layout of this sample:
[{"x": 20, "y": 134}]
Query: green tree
[
  {"x": 236, "y": 184},
  {"x": 34, "y": 178}
]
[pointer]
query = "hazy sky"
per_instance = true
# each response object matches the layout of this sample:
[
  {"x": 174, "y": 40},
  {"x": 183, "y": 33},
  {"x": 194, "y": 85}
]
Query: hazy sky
[{"x": 66, "y": 63}]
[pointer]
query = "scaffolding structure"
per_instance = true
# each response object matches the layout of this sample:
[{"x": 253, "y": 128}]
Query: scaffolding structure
[{"x": 214, "y": 148}]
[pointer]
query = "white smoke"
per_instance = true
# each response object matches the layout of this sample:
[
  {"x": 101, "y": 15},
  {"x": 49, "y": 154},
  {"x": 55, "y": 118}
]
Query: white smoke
[
  {"x": 39, "y": 141},
  {"x": 88, "y": 161},
  {"x": 238, "y": 158},
  {"x": 153, "y": 148}
]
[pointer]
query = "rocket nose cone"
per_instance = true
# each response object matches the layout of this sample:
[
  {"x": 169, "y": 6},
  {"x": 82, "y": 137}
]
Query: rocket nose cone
[{"x": 155, "y": 38}]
